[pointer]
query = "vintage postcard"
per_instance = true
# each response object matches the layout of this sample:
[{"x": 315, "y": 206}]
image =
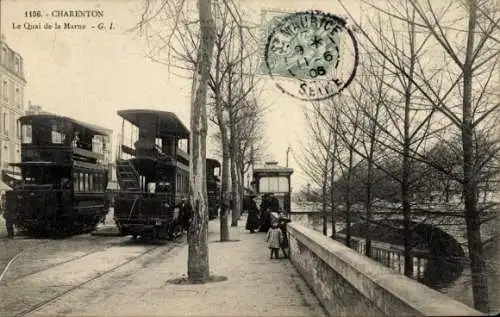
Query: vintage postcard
[{"x": 249, "y": 157}]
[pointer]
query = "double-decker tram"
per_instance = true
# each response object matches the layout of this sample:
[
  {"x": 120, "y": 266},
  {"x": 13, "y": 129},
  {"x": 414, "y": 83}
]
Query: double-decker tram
[
  {"x": 63, "y": 176},
  {"x": 213, "y": 187},
  {"x": 153, "y": 174}
]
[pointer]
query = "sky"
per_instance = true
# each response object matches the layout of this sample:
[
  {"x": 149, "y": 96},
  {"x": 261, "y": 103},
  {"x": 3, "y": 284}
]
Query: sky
[{"x": 91, "y": 74}]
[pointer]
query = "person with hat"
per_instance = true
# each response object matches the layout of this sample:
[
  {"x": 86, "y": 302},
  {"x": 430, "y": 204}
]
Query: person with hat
[
  {"x": 253, "y": 221},
  {"x": 265, "y": 213},
  {"x": 9, "y": 221}
]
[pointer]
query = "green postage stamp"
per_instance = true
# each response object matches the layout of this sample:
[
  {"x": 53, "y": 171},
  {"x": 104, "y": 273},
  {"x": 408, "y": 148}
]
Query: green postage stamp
[{"x": 310, "y": 55}]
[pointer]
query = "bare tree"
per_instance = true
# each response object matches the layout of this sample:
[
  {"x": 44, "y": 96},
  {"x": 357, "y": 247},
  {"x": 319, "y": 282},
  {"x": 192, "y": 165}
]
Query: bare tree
[
  {"x": 230, "y": 81},
  {"x": 464, "y": 32},
  {"x": 370, "y": 97},
  {"x": 316, "y": 164},
  {"x": 198, "y": 263}
]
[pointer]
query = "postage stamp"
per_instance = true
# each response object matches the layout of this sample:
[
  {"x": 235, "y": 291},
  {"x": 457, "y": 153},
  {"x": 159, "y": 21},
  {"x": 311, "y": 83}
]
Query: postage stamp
[{"x": 310, "y": 55}]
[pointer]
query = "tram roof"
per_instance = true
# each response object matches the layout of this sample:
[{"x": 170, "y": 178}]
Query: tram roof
[
  {"x": 213, "y": 162},
  {"x": 76, "y": 123},
  {"x": 168, "y": 122}
]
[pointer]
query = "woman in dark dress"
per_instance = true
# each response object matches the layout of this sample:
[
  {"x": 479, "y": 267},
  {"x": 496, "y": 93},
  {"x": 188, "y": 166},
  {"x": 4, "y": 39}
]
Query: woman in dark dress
[
  {"x": 265, "y": 214},
  {"x": 253, "y": 216}
]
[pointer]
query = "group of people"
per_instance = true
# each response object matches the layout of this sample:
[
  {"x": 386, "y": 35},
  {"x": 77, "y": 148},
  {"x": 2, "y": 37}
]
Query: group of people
[{"x": 260, "y": 219}]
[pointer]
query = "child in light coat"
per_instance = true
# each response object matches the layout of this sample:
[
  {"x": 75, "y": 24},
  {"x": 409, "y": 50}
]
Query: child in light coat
[{"x": 274, "y": 239}]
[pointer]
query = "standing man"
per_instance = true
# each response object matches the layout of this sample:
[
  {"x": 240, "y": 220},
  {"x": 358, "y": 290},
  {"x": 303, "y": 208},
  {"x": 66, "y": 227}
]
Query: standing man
[
  {"x": 9, "y": 224},
  {"x": 274, "y": 203}
]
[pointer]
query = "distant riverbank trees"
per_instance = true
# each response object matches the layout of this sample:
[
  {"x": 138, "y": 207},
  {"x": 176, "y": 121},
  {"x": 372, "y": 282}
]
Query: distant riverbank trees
[{"x": 425, "y": 109}]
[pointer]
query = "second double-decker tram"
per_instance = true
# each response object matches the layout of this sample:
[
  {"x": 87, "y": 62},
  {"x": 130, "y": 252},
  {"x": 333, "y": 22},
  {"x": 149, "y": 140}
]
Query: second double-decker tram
[{"x": 153, "y": 173}]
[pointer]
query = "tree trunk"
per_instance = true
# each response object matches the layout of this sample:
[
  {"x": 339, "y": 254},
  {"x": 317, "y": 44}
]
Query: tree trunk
[
  {"x": 235, "y": 212},
  {"x": 241, "y": 186},
  {"x": 368, "y": 204},
  {"x": 198, "y": 265},
  {"x": 332, "y": 193},
  {"x": 348, "y": 200},
  {"x": 405, "y": 177},
  {"x": 405, "y": 199},
  {"x": 470, "y": 188},
  {"x": 224, "y": 228},
  {"x": 324, "y": 200}
]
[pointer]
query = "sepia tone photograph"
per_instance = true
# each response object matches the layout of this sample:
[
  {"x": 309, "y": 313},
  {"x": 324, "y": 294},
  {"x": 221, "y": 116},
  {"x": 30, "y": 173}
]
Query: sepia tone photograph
[{"x": 249, "y": 158}]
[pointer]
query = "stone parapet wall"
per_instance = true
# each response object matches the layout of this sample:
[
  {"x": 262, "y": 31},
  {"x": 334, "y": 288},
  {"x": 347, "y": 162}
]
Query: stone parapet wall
[{"x": 350, "y": 284}]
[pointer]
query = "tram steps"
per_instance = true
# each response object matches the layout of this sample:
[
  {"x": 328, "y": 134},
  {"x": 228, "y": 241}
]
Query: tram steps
[{"x": 127, "y": 175}]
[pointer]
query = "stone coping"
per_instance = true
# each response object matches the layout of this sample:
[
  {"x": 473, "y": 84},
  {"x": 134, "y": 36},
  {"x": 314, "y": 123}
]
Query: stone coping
[{"x": 361, "y": 271}]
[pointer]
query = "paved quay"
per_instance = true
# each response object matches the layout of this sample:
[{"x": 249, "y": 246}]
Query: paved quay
[{"x": 255, "y": 285}]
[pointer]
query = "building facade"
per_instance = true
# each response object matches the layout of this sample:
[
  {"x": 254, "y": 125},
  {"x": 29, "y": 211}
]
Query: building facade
[{"x": 13, "y": 83}]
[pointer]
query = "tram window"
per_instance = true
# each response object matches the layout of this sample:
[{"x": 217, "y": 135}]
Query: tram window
[
  {"x": 26, "y": 134},
  {"x": 183, "y": 145},
  {"x": 81, "y": 181},
  {"x": 75, "y": 182},
  {"x": 87, "y": 188},
  {"x": 97, "y": 182},
  {"x": 159, "y": 142},
  {"x": 179, "y": 183},
  {"x": 151, "y": 188},
  {"x": 91, "y": 182},
  {"x": 57, "y": 137},
  {"x": 216, "y": 171},
  {"x": 97, "y": 144}
]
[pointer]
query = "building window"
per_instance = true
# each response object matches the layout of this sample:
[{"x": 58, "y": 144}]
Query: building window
[
  {"x": 12, "y": 154},
  {"x": 18, "y": 97},
  {"x": 4, "y": 56},
  {"x": 17, "y": 64},
  {"x": 273, "y": 185},
  {"x": 18, "y": 129},
  {"x": 5, "y": 90},
  {"x": 5, "y": 123},
  {"x": 12, "y": 92},
  {"x": 12, "y": 127},
  {"x": 5, "y": 158}
]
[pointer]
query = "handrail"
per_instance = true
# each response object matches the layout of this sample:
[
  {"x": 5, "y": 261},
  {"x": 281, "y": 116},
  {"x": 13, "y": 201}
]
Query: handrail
[{"x": 132, "y": 208}]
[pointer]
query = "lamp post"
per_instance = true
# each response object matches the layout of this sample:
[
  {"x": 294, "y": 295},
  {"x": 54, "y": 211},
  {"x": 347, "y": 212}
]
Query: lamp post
[{"x": 287, "y": 151}]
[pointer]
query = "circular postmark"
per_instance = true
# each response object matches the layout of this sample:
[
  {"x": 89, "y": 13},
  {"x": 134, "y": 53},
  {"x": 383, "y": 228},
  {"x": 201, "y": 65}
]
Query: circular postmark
[{"x": 311, "y": 55}]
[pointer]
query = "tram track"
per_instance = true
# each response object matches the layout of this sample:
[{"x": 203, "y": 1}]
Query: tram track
[
  {"x": 99, "y": 275},
  {"x": 17, "y": 255},
  {"x": 97, "y": 248},
  {"x": 53, "y": 265}
]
